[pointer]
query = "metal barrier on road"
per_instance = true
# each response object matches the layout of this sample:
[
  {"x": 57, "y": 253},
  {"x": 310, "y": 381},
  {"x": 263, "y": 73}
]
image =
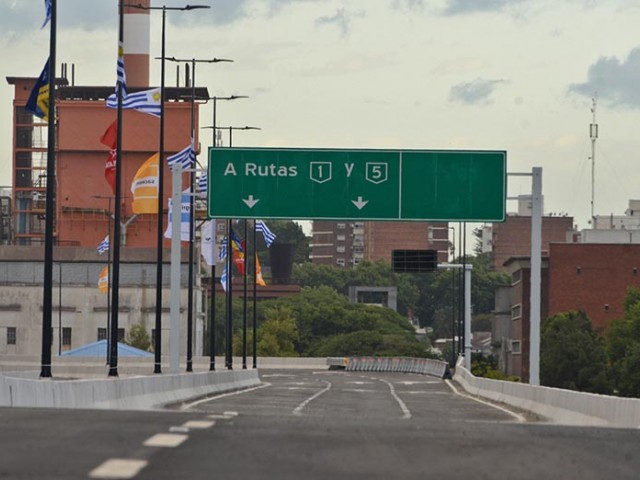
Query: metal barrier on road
[{"x": 424, "y": 366}]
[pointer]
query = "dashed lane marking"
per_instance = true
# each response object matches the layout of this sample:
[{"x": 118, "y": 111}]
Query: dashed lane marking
[
  {"x": 117, "y": 468},
  {"x": 199, "y": 424},
  {"x": 169, "y": 440}
]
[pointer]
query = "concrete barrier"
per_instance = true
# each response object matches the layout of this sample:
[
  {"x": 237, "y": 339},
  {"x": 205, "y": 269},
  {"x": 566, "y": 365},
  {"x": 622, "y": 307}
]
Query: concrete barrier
[
  {"x": 132, "y": 393},
  {"x": 564, "y": 407}
]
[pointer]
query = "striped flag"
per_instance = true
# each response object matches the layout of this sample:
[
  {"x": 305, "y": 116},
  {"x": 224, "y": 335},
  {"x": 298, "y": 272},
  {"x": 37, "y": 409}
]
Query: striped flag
[
  {"x": 202, "y": 183},
  {"x": 222, "y": 254},
  {"x": 224, "y": 278},
  {"x": 268, "y": 235},
  {"x": 47, "y": 13},
  {"x": 147, "y": 101},
  {"x": 104, "y": 245},
  {"x": 186, "y": 156},
  {"x": 121, "y": 76}
]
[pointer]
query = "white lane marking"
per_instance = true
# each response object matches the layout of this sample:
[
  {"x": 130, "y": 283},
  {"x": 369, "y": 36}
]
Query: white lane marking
[
  {"x": 165, "y": 440},
  {"x": 181, "y": 429},
  {"x": 360, "y": 383},
  {"x": 358, "y": 390},
  {"x": 198, "y": 424},
  {"x": 118, "y": 468},
  {"x": 219, "y": 416},
  {"x": 426, "y": 392},
  {"x": 187, "y": 406},
  {"x": 409, "y": 382},
  {"x": 517, "y": 416},
  {"x": 277, "y": 375},
  {"x": 406, "y": 413},
  {"x": 231, "y": 414},
  {"x": 299, "y": 408}
]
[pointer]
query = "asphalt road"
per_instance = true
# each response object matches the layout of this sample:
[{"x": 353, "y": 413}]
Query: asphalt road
[{"x": 313, "y": 425}]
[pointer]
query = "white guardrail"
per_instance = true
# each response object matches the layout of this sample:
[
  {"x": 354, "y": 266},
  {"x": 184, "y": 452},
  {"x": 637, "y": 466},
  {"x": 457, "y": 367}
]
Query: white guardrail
[
  {"x": 424, "y": 366},
  {"x": 565, "y": 407}
]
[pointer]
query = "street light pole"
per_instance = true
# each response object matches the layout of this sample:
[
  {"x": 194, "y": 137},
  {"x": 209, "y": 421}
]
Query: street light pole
[
  {"x": 159, "y": 233},
  {"x": 192, "y": 224}
]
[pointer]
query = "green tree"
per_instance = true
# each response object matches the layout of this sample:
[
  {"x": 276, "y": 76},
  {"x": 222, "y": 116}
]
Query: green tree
[
  {"x": 623, "y": 347},
  {"x": 572, "y": 354},
  {"x": 138, "y": 337}
]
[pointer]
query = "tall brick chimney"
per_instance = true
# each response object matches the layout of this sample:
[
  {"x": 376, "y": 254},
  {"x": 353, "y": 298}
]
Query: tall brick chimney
[{"x": 136, "y": 44}]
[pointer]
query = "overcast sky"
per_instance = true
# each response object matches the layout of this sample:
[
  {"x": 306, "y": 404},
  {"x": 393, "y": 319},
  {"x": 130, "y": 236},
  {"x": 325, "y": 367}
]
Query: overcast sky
[{"x": 514, "y": 75}]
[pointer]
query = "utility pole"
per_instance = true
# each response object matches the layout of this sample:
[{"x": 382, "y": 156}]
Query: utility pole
[{"x": 593, "y": 133}]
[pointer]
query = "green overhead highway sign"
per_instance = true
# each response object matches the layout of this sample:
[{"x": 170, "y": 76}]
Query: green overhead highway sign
[{"x": 357, "y": 184}]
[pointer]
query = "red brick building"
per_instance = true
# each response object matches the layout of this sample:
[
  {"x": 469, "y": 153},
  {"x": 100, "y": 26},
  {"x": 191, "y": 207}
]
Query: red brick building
[
  {"x": 592, "y": 278},
  {"x": 348, "y": 243},
  {"x": 513, "y": 237}
]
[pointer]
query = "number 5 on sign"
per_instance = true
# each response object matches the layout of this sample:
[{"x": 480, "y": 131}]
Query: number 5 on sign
[{"x": 376, "y": 172}]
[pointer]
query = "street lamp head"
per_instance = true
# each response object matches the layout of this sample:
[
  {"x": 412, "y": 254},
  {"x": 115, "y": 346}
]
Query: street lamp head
[{"x": 195, "y": 7}]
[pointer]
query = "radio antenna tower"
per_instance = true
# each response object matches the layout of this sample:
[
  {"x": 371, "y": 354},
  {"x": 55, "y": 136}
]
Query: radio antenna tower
[{"x": 593, "y": 133}]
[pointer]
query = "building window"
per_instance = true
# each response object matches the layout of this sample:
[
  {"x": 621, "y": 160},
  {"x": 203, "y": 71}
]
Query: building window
[
  {"x": 341, "y": 238},
  {"x": 102, "y": 334},
  {"x": 341, "y": 226},
  {"x": 11, "y": 335},
  {"x": 340, "y": 249},
  {"x": 515, "y": 347},
  {"x": 121, "y": 335},
  {"x": 221, "y": 227},
  {"x": 516, "y": 277},
  {"x": 356, "y": 261},
  {"x": 66, "y": 336},
  {"x": 516, "y": 311},
  {"x": 340, "y": 262}
]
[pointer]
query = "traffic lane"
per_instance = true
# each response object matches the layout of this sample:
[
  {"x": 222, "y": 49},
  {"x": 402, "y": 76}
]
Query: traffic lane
[
  {"x": 66, "y": 443},
  {"x": 279, "y": 444}
]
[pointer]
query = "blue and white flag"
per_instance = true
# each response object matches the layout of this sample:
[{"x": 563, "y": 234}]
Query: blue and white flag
[
  {"x": 222, "y": 253},
  {"x": 224, "y": 278},
  {"x": 202, "y": 183},
  {"x": 121, "y": 75},
  {"x": 104, "y": 245},
  {"x": 185, "y": 224},
  {"x": 268, "y": 235},
  {"x": 186, "y": 156},
  {"x": 47, "y": 13},
  {"x": 38, "y": 101},
  {"x": 147, "y": 101}
]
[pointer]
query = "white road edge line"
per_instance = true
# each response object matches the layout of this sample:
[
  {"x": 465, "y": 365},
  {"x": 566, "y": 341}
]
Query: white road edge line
[
  {"x": 165, "y": 440},
  {"x": 517, "y": 416},
  {"x": 118, "y": 468},
  {"x": 187, "y": 406},
  {"x": 299, "y": 408},
  {"x": 406, "y": 412}
]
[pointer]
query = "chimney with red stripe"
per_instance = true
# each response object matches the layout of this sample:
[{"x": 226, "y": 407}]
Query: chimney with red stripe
[{"x": 136, "y": 44}]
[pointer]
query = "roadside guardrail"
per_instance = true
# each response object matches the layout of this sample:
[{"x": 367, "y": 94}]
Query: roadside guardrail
[{"x": 424, "y": 366}]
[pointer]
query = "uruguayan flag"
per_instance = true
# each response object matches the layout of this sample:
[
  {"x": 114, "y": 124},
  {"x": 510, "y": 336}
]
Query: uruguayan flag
[
  {"x": 224, "y": 278},
  {"x": 47, "y": 13},
  {"x": 186, "y": 156},
  {"x": 147, "y": 101},
  {"x": 268, "y": 235},
  {"x": 222, "y": 253},
  {"x": 202, "y": 183},
  {"x": 104, "y": 245}
]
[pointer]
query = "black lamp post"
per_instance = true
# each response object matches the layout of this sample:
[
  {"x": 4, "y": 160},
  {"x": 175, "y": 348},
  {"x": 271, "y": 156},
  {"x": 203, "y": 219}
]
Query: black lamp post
[
  {"x": 231, "y": 129},
  {"x": 192, "y": 178},
  {"x": 158, "y": 336}
]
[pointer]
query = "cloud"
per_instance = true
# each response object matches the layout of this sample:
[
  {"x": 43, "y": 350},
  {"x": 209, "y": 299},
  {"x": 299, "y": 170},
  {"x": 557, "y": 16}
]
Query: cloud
[
  {"x": 342, "y": 19},
  {"x": 456, "y": 7},
  {"x": 614, "y": 81},
  {"x": 475, "y": 92},
  {"x": 408, "y": 4}
]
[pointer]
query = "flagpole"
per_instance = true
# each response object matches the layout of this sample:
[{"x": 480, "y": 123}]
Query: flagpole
[
  {"x": 244, "y": 313},
  {"x": 192, "y": 224},
  {"x": 47, "y": 300},
  {"x": 113, "y": 360},
  {"x": 255, "y": 306},
  {"x": 229, "y": 363}
]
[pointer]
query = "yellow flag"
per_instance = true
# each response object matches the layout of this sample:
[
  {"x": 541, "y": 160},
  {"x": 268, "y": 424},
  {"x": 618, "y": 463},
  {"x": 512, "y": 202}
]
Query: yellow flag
[
  {"x": 259, "y": 280},
  {"x": 145, "y": 187},
  {"x": 103, "y": 280}
]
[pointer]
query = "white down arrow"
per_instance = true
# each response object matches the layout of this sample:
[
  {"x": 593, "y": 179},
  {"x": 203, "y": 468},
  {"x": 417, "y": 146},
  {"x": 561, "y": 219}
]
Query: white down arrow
[
  {"x": 250, "y": 201},
  {"x": 359, "y": 203}
]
